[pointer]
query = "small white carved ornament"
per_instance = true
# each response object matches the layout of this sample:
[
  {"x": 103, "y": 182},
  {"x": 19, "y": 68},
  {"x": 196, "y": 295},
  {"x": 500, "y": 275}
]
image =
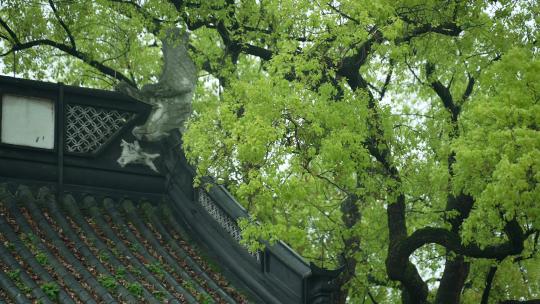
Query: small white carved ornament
[{"x": 132, "y": 153}]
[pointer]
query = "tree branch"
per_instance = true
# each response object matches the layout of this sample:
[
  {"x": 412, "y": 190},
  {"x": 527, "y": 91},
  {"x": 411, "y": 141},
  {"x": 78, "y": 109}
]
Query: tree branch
[
  {"x": 156, "y": 22},
  {"x": 63, "y": 24},
  {"x": 447, "y": 29},
  {"x": 257, "y": 51},
  {"x": 387, "y": 80},
  {"x": 489, "y": 283},
  {"x": 443, "y": 92},
  {"x": 11, "y": 33},
  {"x": 270, "y": 32},
  {"x": 349, "y": 66},
  {"x": 178, "y": 4},
  {"x": 73, "y": 52},
  {"x": 453, "y": 242},
  {"x": 373, "y": 301},
  {"x": 401, "y": 269},
  {"x": 342, "y": 14},
  {"x": 468, "y": 90}
]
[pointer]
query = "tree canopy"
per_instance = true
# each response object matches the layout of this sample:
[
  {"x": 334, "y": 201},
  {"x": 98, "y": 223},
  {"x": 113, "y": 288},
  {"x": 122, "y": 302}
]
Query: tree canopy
[{"x": 396, "y": 139}]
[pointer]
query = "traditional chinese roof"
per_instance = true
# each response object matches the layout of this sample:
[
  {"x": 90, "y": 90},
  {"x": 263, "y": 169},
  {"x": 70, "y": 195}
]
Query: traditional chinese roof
[
  {"x": 78, "y": 226},
  {"x": 97, "y": 250}
]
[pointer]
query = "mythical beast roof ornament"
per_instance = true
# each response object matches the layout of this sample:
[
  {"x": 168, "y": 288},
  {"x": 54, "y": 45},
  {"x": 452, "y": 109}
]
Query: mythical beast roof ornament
[{"x": 170, "y": 97}]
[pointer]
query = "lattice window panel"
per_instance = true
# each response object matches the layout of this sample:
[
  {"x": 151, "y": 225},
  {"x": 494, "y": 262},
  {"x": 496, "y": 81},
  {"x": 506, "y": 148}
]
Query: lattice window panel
[
  {"x": 223, "y": 219},
  {"x": 88, "y": 128}
]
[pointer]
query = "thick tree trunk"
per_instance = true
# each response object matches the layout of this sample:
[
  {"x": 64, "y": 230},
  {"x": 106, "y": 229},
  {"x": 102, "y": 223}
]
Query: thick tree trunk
[
  {"x": 456, "y": 269},
  {"x": 455, "y": 273},
  {"x": 398, "y": 266},
  {"x": 350, "y": 217},
  {"x": 347, "y": 275}
]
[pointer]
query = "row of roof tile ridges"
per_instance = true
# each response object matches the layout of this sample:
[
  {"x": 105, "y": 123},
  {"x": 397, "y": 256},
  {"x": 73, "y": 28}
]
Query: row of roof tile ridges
[{"x": 99, "y": 251}]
